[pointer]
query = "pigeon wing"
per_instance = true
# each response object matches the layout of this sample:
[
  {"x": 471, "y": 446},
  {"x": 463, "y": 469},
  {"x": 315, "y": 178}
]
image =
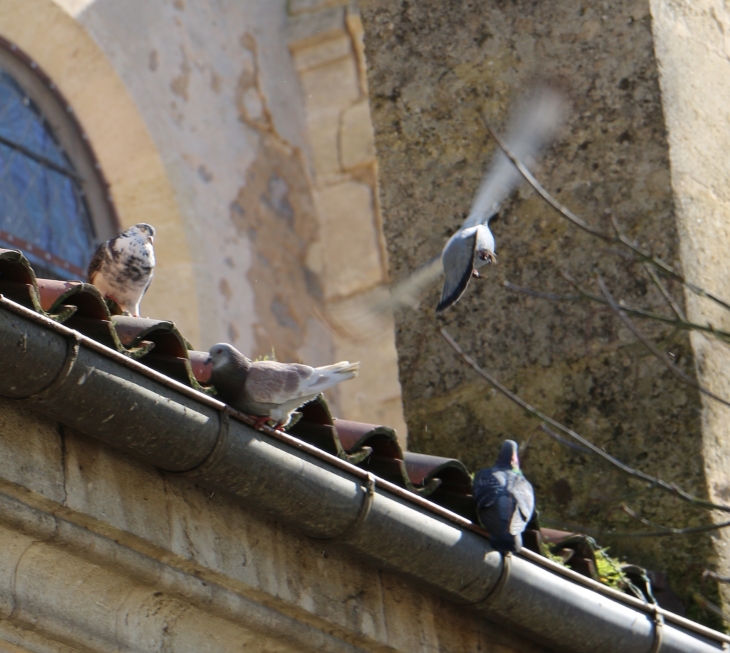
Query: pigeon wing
[
  {"x": 524, "y": 497},
  {"x": 270, "y": 382},
  {"x": 96, "y": 263},
  {"x": 458, "y": 264},
  {"x": 367, "y": 315},
  {"x": 535, "y": 121},
  {"x": 489, "y": 484}
]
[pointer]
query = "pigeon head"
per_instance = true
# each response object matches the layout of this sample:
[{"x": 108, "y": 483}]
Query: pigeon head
[
  {"x": 142, "y": 231},
  {"x": 508, "y": 455},
  {"x": 224, "y": 355},
  {"x": 484, "y": 246}
]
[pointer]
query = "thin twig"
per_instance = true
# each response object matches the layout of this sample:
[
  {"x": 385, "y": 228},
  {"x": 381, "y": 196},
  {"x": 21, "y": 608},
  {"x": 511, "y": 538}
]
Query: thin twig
[
  {"x": 563, "y": 441},
  {"x": 542, "y": 295},
  {"x": 599, "y": 534},
  {"x": 643, "y": 255},
  {"x": 715, "y": 576},
  {"x": 664, "y": 530},
  {"x": 665, "y": 293},
  {"x": 661, "y": 356},
  {"x": 677, "y": 323},
  {"x": 671, "y": 488},
  {"x": 704, "y": 602},
  {"x": 560, "y": 208}
]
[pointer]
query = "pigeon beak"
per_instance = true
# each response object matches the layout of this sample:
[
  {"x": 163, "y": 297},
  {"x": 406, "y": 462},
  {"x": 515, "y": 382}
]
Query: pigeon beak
[{"x": 209, "y": 360}]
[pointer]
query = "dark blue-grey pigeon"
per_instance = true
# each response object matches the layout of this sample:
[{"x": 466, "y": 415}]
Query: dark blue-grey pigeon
[
  {"x": 122, "y": 267},
  {"x": 271, "y": 390},
  {"x": 504, "y": 500}
]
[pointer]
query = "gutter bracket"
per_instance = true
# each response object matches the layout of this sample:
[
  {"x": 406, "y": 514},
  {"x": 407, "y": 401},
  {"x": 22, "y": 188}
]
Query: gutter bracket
[
  {"x": 658, "y": 629},
  {"x": 500, "y": 584},
  {"x": 72, "y": 353},
  {"x": 367, "y": 503},
  {"x": 224, "y": 426}
]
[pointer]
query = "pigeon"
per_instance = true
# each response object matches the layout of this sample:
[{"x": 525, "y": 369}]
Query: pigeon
[
  {"x": 533, "y": 123},
  {"x": 270, "y": 390},
  {"x": 122, "y": 267},
  {"x": 472, "y": 246},
  {"x": 504, "y": 500}
]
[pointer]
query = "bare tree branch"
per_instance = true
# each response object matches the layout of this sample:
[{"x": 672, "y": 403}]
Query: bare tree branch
[
  {"x": 665, "y": 293},
  {"x": 664, "y": 530},
  {"x": 563, "y": 441},
  {"x": 704, "y": 602},
  {"x": 715, "y": 576},
  {"x": 641, "y": 254},
  {"x": 542, "y": 295},
  {"x": 677, "y": 323},
  {"x": 671, "y": 488},
  {"x": 661, "y": 356}
]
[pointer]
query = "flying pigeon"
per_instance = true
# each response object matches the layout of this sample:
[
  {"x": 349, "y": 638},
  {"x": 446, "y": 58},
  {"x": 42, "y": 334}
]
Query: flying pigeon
[
  {"x": 533, "y": 123},
  {"x": 122, "y": 267},
  {"x": 504, "y": 500},
  {"x": 268, "y": 389}
]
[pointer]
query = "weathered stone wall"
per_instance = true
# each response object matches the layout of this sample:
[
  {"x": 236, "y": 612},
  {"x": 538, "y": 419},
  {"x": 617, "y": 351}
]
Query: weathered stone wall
[
  {"x": 433, "y": 67},
  {"x": 99, "y": 552},
  {"x": 240, "y": 130},
  {"x": 692, "y": 37}
]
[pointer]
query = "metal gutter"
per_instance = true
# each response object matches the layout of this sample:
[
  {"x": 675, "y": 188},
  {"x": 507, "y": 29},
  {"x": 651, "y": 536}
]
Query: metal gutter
[{"x": 87, "y": 386}]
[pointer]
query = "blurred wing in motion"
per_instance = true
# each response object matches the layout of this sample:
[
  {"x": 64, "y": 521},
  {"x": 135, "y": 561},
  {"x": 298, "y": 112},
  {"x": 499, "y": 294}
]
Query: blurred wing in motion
[
  {"x": 369, "y": 315},
  {"x": 537, "y": 118}
]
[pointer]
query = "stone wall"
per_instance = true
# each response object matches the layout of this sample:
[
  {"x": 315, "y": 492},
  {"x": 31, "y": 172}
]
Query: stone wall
[
  {"x": 242, "y": 132},
  {"x": 692, "y": 36},
  {"x": 99, "y": 552},
  {"x": 433, "y": 68}
]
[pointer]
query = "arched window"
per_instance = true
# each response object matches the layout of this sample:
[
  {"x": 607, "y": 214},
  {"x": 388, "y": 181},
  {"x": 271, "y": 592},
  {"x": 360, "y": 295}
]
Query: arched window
[{"x": 54, "y": 204}]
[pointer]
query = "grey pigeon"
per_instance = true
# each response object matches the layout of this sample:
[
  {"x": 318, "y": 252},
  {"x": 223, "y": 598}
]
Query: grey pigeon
[
  {"x": 504, "y": 500},
  {"x": 122, "y": 267},
  {"x": 534, "y": 121},
  {"x": 268, "y": 389}
]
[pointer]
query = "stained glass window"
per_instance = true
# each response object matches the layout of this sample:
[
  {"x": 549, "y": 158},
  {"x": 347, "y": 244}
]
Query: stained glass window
[{"x": 44, "y": 194}]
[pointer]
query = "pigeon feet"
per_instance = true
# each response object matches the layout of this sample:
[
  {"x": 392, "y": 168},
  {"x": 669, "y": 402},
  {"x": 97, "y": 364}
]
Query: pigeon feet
[
  {"x": 475, "y": 274},
  {"x": 260, "y": 420}
]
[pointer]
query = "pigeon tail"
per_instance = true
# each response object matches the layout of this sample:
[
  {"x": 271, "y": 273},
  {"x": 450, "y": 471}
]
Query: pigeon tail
[
  {"x": 329, "y": 375},
  {"x": 343, "y": 367}
]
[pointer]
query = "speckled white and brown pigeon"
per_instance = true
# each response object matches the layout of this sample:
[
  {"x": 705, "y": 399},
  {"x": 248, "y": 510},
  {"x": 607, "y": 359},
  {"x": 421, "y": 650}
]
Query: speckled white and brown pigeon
[
  {"x": 270, "y": 390},
  {"x": 122, "y": 267},
  {"x": 504, "y": 500}
]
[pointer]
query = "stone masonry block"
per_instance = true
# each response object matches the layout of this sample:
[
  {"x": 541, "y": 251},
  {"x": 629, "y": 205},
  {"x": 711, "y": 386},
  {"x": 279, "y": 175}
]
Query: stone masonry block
[
  {"x": 328, "y": 90},
  {"x": 310, "y": 28},
  {"x": 349, "y": 255},
  {"x": 304, "y": 6},
  {"x": 357, "y": 145},
  {"x": 322, "y": 52}
]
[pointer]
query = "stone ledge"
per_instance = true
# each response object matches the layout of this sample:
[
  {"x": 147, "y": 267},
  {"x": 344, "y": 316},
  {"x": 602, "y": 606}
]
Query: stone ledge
[{"x": 77, "y": 546}]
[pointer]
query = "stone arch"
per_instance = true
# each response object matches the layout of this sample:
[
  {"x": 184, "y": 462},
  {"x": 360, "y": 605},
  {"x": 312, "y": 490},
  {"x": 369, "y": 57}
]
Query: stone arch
[{"x": 138, "y": 181}]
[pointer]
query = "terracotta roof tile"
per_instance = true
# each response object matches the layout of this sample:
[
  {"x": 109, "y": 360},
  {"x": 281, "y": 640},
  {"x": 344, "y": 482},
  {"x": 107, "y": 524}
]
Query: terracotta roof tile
[{"x": 158, "y": 345}]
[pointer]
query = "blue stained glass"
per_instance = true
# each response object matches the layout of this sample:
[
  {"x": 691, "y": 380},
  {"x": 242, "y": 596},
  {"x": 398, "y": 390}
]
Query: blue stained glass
[{"x": 38, "y": 204}]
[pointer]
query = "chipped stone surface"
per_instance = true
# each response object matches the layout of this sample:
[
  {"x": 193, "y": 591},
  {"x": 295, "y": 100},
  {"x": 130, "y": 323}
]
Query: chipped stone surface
[
  {"x": 274, "y": 210},
  {"x": 432, "y": 72},
  {"x": 138, "y": 560}
]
